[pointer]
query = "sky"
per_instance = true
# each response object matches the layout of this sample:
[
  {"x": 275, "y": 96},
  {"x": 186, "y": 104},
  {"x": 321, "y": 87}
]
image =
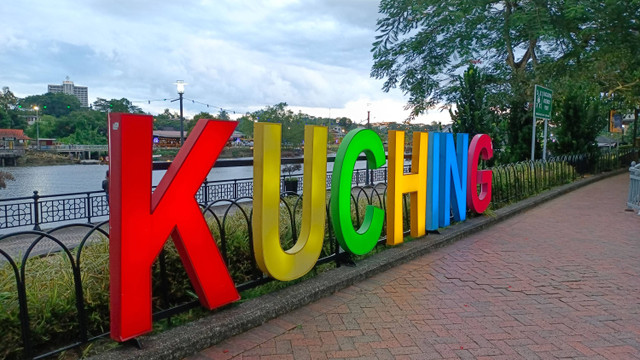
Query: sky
[{"x": 237, "y": 55}]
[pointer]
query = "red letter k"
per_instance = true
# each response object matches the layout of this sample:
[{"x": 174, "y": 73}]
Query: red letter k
[{"x": 141, "y": 221}]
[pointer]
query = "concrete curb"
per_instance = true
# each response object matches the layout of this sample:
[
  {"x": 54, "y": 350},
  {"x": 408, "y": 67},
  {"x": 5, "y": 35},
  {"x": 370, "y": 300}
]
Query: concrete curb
[{"x": 188, "y": 339}]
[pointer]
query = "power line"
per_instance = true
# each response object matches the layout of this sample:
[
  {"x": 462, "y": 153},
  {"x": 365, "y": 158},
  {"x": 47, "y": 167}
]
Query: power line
[{"x": 193, "y": 101}]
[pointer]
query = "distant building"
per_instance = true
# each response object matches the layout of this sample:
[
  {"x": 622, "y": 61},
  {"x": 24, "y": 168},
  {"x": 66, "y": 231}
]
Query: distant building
[
  {"x": 13, "y": 139},
  {"x": 13, "y": 143},
  {"x": 67, "y": 87},
  {"x": 166, "y": 138}
]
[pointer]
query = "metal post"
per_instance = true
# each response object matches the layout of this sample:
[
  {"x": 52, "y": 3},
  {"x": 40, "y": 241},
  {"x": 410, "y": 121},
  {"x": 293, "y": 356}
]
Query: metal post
[
  {"x": 544, "y": 146},
  {"x": 533, "y": 139},
  {"x": 206, "y": 191},
  {"x": 235, "y": 189},
  {"x": 366, "y": 181},
  {"x": 36, "y": 213},
  {"x": 88, "y": 208},
  {"x": 37, "y": 129},
  {"x": 181, "y": 122}
]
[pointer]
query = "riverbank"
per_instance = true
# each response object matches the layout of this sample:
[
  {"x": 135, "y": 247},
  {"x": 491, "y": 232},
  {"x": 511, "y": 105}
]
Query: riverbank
[
  {"x": 43, "y": 158},
  {"x": 229, "y": 152}
]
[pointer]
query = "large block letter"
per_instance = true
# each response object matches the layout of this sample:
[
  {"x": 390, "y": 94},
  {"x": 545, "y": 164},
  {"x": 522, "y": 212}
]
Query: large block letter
[
  {"x": 141, "y": 221},
  {"x": 399, "y": 183},
  {"x": 297, "y": 261},
  {"x": 453, "y": 182},
  {"x": 433, "y": 182},
  {"x": 359, "y": 241},
  {"x": 481, "y": 147}
]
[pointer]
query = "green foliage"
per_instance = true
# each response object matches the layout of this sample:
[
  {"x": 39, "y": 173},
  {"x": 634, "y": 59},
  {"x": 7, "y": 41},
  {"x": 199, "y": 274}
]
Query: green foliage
[
  {"x": 222, "y": 115},
  {"x": 167, "y": 121},
  {"x": 54, "y": 104},
  {"x": 79, "y": 127},
  {"x": 292, "y": 124},
  {"x": 245, "y": 125},
  {"x": 514, "y": 182},
  {"x": 519, "y": 125},
  {"x": 581, "y": 118},
  {"x": 114, "y": 105},
  {"x": 9, "y": 118},
  {"x": 473, "y": 114},
  {"x": 422, "y": 43},
  {"x": 51, "y": 299}
]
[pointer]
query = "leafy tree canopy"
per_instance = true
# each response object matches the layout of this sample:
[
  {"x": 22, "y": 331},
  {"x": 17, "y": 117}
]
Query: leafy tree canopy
[
  {"x": 54, "y": 104},
  {"x": 7, "y": 99},
  {"x": 114, "y": 105},
  {"x": 423, "y": 44},
  {"x": 192, "y": 123},
  {"x": 167, "y": 121},
  {"x": 473, "y": 113}
]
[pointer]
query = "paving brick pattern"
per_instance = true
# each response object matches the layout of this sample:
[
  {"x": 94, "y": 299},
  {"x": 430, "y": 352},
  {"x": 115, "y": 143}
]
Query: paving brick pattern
[{"x": 559, "y": 281}]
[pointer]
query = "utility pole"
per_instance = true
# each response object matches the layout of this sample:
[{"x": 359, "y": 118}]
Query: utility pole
[{"x": 368, "y": 173}]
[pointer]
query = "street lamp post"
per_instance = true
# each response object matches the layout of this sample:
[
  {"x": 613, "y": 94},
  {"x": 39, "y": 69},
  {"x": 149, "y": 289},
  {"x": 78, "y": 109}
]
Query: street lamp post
[
  {"x": 37, "y": 108},
  {"x": 180, "y": 85}
]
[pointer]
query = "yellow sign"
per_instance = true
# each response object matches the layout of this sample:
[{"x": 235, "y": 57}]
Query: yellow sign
[{"x": 615, "y": 122}]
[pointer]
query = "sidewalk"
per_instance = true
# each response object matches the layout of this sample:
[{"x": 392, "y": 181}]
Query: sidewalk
[{"x": 560, "y": 280}]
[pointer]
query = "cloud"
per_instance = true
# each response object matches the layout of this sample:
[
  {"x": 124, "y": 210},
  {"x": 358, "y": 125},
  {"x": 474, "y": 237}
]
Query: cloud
[{"x": 236, "y": 55}]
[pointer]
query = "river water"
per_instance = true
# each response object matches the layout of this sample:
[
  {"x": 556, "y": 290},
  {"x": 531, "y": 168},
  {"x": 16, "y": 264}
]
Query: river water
[{"x": 61, "y": 179}]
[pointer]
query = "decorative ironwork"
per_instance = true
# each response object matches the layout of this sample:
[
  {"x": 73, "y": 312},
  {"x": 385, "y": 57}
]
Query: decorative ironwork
[{"x": 230, "y": 221}]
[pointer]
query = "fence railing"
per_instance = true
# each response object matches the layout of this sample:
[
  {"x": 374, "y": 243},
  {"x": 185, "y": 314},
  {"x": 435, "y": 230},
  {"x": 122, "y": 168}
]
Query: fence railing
[
  {"x": 60, "y": 296},
  {"x": 92, "y": 206}
]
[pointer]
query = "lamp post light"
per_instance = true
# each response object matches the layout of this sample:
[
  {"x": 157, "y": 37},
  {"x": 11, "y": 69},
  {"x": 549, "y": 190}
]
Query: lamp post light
[
  {"x": 37, "y": 108},
  {"x": 180, "y": 85}
]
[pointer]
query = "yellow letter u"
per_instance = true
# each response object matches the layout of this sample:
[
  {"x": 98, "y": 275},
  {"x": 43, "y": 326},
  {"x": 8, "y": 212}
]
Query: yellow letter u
[{"x": 289, "y": 264}]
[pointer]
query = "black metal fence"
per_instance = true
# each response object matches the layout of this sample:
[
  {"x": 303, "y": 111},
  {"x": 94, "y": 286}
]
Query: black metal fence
[
  {"x": 91, "y": 206},
  {"x": 59, "y": 295}
]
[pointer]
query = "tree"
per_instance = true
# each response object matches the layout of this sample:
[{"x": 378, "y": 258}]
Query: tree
[
  {"x": 292, "y": 124},
  {"x": 167, "y": 121},
  {"x": 114, "y": 105},
  {"x": 245, "y": 125},
  {"x": 223, "y": 115},
  {"x": 9, "y": 118},
  {"x": 54, "y": 104},
  {"x": 473, "y": 113},
  {"x": 89, "y": 128},
  {"x": 49, "y": 127},
  {"x": 422, "y": 44},
  {"x": 192, "y": 123},
  {"x": 581, "y": 118}
]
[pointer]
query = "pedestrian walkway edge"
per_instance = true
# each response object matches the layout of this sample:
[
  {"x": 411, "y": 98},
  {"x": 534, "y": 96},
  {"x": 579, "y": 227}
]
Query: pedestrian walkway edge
[{"x": 190, "y": 338}]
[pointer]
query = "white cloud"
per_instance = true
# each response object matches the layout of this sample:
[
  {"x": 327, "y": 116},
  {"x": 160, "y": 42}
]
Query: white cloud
[{"x": 312, "y": 54}]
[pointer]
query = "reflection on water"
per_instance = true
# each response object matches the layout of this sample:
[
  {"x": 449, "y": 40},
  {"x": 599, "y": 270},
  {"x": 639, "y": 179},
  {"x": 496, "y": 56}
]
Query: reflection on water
[
  {"x": 60, "y": 179},
  {"x": 53, "y": 179}
]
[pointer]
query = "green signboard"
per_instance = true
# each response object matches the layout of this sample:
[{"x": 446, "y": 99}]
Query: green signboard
[{"x": 542, "y": 103}]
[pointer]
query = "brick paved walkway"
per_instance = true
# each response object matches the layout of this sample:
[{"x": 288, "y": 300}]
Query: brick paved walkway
[{"x": 559, "y": 281}]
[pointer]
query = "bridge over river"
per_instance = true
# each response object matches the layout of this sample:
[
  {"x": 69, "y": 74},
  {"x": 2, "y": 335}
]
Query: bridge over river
[{"x": 76, "y": 150}]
